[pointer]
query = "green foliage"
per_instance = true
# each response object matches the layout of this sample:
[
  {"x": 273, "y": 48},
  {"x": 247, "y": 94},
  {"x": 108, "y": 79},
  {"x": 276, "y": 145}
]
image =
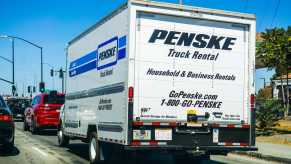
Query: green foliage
[
  {"x": 272, "y": 51},
  {"x": 268, "y": 113}
]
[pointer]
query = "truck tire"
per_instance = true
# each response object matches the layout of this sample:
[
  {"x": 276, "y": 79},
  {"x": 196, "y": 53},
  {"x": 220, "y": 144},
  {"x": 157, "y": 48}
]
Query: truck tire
[
  {"x": 95, "y": 149},
  {"x": 25, "y": 126},
  {"x": 63, "y": 140}
]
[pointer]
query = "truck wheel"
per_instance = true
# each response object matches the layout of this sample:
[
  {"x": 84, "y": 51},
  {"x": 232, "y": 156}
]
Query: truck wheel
[
  {"x": 95, "y": 150},
  {"x": 33, "y": 128},
  {"x": 25, "y": 126},
  {"x": 63, "y": 140}
]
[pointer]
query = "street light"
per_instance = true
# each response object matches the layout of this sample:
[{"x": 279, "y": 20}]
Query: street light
[
  {"x": 33, "y": 44},
  {"x": 13, "y": 62}
]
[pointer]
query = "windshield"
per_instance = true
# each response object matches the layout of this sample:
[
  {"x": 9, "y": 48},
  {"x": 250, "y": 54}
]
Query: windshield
[
  {"x": 2, "y": 103},
  {"x": 54, "y": 99}
]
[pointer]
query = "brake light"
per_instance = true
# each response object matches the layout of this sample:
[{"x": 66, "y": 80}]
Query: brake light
[
  {"x": 130, "y": 93},
  {"x": 252, "y": 101},
  {"x": 45, "y": 107},
  {"x": 6, "y": 118}
]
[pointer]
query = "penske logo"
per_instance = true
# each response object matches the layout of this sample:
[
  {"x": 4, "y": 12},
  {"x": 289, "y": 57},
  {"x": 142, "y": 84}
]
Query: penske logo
[
  {"x": 196, "y": 40},
  {"x": 108, "y": 53}
]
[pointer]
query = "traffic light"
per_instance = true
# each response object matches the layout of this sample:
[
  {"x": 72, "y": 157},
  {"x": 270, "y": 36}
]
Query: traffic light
[
  {"x": 41, "y": 87},
  {"x": 13, "y": 89},
  {"x": 33, "y": 89},
  {"x": 61, "y": 73},
  {"x": 28, "y": 89},
  {"x": 52, "y": 72}
]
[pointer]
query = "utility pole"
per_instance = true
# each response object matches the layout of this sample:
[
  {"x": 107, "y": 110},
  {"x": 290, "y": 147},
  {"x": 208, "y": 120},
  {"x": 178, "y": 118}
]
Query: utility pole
[
  {"x": 264, "y": 81},
  {"x": 13, "y": 68}
]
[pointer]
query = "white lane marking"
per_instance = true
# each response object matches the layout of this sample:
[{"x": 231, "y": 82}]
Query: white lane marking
[{"x": 40, "y": 151}]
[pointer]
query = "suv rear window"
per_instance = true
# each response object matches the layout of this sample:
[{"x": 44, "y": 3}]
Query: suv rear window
[{"x": 57, "y": 99}]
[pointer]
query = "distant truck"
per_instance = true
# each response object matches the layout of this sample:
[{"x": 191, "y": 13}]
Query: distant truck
[{"x": 160, "y": 76}]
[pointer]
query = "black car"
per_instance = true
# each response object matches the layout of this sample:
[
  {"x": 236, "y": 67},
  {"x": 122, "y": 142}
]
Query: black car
[
  {"x": 6, "y": 127},
  {"x": 17, "y": 105}
]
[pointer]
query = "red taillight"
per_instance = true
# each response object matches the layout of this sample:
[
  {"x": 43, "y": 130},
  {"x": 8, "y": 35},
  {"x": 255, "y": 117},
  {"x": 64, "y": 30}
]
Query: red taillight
[
  {"x": 252, "y": 101},
  {"x": 44, "y": 107},
  {"x": 130, "y": 92},
  {"x": 6, "y": 118}
]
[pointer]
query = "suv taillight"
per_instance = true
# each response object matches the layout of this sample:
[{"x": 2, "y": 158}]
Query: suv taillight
[
  {"x": 5, "y": 118},
  {"x": 44, "y": 107}
]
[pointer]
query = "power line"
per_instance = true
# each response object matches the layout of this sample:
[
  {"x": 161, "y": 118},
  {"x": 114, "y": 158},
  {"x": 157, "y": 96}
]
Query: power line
[
  {"x": 261, "y": 22},
  {"x": 275, "y": 13},
  {"x": 246, "y": 5}
]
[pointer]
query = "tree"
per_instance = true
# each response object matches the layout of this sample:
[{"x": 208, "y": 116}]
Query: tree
[
  {"x": 268, "y": 113},
  {"x": 272, "y": 51}
]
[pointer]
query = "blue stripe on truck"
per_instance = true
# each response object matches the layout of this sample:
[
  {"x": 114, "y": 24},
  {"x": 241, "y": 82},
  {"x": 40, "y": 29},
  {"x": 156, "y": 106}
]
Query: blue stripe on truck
[
  {"x": 89, "y": 57},
  {"x": 122, "y": 42},
  {"x": 87, "y": 67},
  {"x": 89, "y": 61}
]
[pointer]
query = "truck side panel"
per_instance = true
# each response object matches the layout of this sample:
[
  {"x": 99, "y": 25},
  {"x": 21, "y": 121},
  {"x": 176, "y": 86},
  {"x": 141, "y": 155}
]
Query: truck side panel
[{"x": 97, "y": 81}]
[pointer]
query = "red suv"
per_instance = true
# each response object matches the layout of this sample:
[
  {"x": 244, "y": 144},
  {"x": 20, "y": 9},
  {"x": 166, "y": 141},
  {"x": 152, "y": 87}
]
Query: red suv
[{"x": 44, "y": 112}]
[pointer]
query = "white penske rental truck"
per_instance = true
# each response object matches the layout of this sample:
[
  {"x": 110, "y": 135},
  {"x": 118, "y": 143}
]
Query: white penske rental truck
[{"x": 155, "y": 76}]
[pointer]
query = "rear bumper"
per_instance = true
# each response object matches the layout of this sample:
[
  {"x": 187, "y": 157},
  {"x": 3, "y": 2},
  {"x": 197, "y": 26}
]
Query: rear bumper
[
  {"x": 211, "y": 139},
  {"x": 214, "y": 149},
  {"x": 47, "y": 122}
]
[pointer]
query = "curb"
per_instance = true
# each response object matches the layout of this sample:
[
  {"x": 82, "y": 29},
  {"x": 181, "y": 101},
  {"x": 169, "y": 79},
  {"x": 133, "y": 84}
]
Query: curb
[{"x": 262, "y": 156}]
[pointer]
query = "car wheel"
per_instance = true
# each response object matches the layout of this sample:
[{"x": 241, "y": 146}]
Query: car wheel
[
  {"x": 95, "y": 149},
  {"x": 63, "y": 140},
  {"x": 9, "y": 147},
  {"x": 25, "y": 126},
  {"x": 33, "y": 128}
]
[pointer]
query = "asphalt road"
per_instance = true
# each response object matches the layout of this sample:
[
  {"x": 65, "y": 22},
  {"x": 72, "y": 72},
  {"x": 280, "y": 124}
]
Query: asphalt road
[{"x": 43, "y": 149}]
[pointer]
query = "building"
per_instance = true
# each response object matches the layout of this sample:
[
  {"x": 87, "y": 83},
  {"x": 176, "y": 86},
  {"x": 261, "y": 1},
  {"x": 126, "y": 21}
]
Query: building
[{"x": 277, "y": 89}]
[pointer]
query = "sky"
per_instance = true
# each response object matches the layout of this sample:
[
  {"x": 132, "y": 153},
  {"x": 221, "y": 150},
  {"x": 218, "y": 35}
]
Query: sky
[{"x": 53, "y": 23}]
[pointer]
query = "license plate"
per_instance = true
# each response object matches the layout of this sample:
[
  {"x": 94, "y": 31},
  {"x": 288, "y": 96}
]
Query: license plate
[
  {"x": 194, "y": 124},
  {"x": 215, "y": 135},
  {"x": 141, "y": 135},
  {"x": 163, "y": 134}
]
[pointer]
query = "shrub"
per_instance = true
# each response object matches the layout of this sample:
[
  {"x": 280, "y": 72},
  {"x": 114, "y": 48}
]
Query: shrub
[{"x": 268, "y": 113}]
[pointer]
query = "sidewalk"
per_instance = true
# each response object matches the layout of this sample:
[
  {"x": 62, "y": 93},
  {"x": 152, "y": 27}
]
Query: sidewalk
[
  {"x": 270, "y": 152},
  {"x": 275, "y": 150}
]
